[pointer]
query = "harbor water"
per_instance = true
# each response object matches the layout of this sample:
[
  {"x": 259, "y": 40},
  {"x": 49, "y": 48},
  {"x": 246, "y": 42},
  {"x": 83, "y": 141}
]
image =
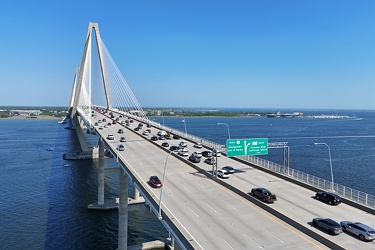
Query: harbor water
[{"x": 43, "y": 202}]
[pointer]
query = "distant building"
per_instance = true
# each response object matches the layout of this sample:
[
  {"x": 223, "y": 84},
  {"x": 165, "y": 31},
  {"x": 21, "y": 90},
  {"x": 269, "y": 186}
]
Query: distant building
[{"x": 25, "y": 112}]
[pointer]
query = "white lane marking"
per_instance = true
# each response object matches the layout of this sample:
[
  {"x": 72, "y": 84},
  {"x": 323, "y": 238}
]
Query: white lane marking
[
  {"x": 230, "y": 206},
  {"x": 253, "y": 241},
  {"x": 274, "y": 236},
  {"x": 211, "y": 208},
  {"x": 193, "y": 212},
  {"x": 185, "y": 187},
  {"x": 228, "y": 244},
  {"x": 199, "y": 184}
]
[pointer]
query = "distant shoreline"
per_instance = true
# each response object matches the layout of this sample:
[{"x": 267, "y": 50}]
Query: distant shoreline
[{"x": 39, "y": 117}]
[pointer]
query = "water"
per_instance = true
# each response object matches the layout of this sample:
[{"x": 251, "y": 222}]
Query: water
[{"x": 43, "y": 204}]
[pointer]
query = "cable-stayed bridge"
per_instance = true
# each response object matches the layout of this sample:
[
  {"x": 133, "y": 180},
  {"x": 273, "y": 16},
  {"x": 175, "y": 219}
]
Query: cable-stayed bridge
[{"x": 199, "y": 210}]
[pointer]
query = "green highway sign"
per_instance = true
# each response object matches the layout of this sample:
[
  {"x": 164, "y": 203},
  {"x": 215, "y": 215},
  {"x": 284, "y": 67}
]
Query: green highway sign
[{"x": 243, "y": 147}]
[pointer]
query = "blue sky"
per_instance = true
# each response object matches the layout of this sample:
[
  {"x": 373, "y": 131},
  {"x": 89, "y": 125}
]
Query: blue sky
[{"x": 313, "y": 54}]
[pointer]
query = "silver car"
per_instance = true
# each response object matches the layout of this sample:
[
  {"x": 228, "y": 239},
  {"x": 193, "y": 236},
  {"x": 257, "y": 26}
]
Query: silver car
[{"x": 361, "y": 230}]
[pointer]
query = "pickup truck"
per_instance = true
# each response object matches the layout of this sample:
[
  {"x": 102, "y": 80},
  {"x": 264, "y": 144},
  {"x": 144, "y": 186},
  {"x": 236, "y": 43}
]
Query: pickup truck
[{"x": 263, "y": 194}]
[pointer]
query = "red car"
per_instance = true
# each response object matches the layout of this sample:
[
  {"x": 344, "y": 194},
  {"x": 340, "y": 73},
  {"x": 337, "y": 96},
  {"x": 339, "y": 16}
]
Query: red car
[{"x": 155, "y": 182}]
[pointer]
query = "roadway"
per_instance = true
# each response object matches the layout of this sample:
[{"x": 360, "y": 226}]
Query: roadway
[{"x": 218, "y": 218}]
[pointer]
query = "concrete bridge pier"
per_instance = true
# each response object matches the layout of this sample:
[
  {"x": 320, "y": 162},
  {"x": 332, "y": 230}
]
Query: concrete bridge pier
[
  {"x": 102, "y": 204},
  {"x": 123, "y": 213},
  {"x": 101, "y": 173}
]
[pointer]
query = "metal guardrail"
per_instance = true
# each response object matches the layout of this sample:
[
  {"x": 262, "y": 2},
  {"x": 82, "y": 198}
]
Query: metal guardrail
[{"x": 343, "y": 191}]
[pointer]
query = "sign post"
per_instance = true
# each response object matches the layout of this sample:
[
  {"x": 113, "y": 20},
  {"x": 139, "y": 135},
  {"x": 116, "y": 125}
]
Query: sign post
[{"x": 244, "y": 147}]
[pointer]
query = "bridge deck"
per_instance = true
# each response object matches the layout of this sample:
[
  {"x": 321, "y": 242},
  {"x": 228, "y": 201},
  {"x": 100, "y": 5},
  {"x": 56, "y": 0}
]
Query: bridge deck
[{"x": 217, "y": 218}]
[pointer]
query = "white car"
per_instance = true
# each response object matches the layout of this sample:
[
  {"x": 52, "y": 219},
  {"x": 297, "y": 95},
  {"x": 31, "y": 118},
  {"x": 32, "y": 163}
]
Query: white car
[
  {"x": 120, "y": 147},
  {"x": 145, "y": 133},
  {"x": 110, "y": 137},
  {"x": 183, "y": 153},
  {"x": 198, "y": 145},
  {"x": 222, "y": 173},
  {"x": 197, "y": 154},
  {"x": 216, "y": 153},
  {"x": 183, "y": 144}
]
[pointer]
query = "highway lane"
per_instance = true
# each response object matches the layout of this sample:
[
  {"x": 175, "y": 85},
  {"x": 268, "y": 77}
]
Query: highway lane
[
  {"x": 293, "y": 200},
  {"x": 206, "y": 209}
]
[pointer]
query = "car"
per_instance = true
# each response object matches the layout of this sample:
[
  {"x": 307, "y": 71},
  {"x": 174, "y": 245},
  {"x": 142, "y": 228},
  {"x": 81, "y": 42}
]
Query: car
[
  {"x": 197, "y": 153},
  {"x": 161, "y": 137},
  {"x": 173, "y": 148},
  {"x": 222, "y": 173},
  {"x": 120, "y": 147},
  {"x": 148, "y": 130},
  {"x": 162, "y": 133},
  {"x": 113, "y": 122},
  {"x": 148, "y": 125},
  {"x": 100, "y": 127},
  {"x": 165, "y": 144},
  {"x": 198, "y": 145},
  {"x": 330, "y": 198},
  {"x": 145, "y": 133},
  {"x": 194, "y": 158},
  {"x": 136, "y": 129},
  {"x": 155, "y": 182},
  {"x": 109, "y": 124},
  {"x": 154, "y": 138},
  {"x": 184, "y": 149},
  {"x": 110, "y": 137},
  {"x": 363, "y": 231},
  {"x": 183, "y": 153},
  {"x": 327, "y": 224},
  {"x": 122, "y": 139},
  {"x": 104, "y": 120},
  {"x": 105, "y": 126},
  {"x": 120, "y": 131},
  {"x": 230, "y": 169},
  {"x": 207, "y": 153},
  {"x": 96, "y": 124},
  {"x": 176, "y": 137},
  {"x": 216, "y": 153},
  {"x": 210, "y": 161},
  {"x": 263, "y": 194}
]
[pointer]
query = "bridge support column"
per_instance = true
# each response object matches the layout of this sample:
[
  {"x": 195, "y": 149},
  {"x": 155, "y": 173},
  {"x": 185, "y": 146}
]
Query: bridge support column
[
  {"x": 123, "y": 213},
  {"x": 101, "y": 173},
  {"x": 136, "y": 193},
  {"x": 171, "y": 246}
]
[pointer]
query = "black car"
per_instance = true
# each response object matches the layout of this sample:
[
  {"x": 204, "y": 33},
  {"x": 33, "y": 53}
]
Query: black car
[
  {"x": 165, "y": 144},
  {"x": 330, "y": 198},
  {"x": 207, "y": 153},
  {"x": 194, "y": 158},
  {"x": 173, "y": 148},
  {"x": 327, "y": 224},
  {"x": 210, "y": 161},
  {"x": 154, "y": 138},
  {"x": 176, "y": 137},
  {"x": 120, "y": 131}
]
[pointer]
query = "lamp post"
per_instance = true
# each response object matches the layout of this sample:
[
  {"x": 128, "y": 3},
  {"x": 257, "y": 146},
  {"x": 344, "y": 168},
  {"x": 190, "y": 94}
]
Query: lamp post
[
  {"x": 221, "y": 123},
  {"x": 330, "y": 161},
  {"x": 185, "y": 127},
  {"x": 163, "y": 184}
]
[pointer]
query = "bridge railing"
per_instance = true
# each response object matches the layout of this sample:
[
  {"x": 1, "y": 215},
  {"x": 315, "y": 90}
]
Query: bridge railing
[{"x": 343, "y": 191}]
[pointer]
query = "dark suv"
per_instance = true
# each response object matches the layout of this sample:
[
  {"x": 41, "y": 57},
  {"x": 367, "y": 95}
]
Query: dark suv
[{"x": 330, "y": 198}]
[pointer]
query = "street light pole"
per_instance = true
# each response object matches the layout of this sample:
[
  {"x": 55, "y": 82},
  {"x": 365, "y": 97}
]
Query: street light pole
[
  {"x": 185, "y": 126},
  {"x": 163, "y": 184},
  {"x": 330, "y": 161},
  {"x": 221, "y": 123}
]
